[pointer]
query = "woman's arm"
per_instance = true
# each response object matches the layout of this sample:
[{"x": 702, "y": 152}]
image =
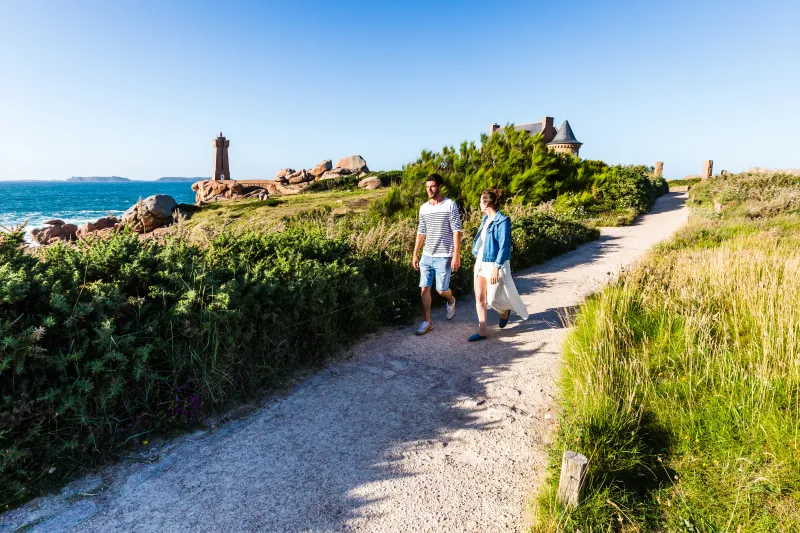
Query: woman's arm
[{"x": 503, "y": 243}]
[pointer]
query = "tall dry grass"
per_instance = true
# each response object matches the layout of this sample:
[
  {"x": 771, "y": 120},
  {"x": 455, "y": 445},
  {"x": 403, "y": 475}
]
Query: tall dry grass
[{"x": 682, "y": 380}]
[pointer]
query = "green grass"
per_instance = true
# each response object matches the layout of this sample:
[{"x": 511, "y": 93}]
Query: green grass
[
  {"x": 686, "y": 182},
  {"x": 245, "y": 215},
  {"x": 681, "y": 382},
  {"x": 109, "y": 342}
]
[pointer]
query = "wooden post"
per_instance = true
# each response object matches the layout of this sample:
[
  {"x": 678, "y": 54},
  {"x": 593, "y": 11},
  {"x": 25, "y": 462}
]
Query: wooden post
[{"x": 573, "y": 472}]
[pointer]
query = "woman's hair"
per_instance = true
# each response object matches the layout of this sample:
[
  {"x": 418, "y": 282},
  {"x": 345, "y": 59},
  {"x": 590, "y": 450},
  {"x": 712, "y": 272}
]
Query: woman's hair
[{"x": 492, "y": 197}]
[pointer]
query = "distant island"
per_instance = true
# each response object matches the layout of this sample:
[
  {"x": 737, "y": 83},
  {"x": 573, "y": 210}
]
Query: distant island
[
  {"x": 98, "y": 179},
  {"x": 181, "y": 180}
]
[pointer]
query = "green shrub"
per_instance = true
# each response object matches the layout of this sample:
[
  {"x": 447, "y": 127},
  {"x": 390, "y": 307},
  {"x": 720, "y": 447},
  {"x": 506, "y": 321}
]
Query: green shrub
[
  {"x": 529, "y": 173},
  {"x": 333, "y": 184},
  {"x": 686, "y": 182},
  {"x": 108, "y": 342},
  {"x": 388, "y": 178}
]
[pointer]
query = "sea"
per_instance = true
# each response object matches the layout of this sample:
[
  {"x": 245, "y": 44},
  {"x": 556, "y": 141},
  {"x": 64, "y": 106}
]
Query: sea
[{"x": 33, "y": 202}]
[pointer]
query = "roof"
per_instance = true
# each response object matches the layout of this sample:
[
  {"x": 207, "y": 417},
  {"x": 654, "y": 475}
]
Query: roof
[
  {"x": 565, "y": 135},
  {"x": 532, "y": 129}
]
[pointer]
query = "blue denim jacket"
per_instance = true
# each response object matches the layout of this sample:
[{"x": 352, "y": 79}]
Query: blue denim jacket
[{"x": 497, "y": 248}]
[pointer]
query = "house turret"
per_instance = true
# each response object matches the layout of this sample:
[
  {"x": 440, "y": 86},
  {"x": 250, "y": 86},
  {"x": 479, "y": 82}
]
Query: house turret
[{"x": 565, "y": 141}]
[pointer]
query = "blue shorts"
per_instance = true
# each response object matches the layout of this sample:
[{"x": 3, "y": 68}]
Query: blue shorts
[{"x": 439, "y": 266}]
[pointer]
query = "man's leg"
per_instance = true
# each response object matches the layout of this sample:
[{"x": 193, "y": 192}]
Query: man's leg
[
  {"x": 426, "y": 277},
  {"x": 426, "y": 303},
  {"x": 443, "y": 272},
  {"x": 447, "y": 295}
]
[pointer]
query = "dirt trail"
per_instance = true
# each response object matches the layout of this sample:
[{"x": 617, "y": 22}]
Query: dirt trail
[{"x": 407, "y": 434}]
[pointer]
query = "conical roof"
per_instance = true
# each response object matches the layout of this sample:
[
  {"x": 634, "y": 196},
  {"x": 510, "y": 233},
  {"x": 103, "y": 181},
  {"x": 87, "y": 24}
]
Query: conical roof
[{"x": 565, "y": 135}]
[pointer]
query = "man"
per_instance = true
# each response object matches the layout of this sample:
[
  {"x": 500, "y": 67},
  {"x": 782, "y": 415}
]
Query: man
[{"x": 440, "y": 229}]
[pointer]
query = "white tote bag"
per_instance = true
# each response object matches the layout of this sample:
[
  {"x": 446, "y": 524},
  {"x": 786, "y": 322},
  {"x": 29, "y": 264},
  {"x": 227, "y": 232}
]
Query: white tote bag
[{"x": 503, "y": 295}]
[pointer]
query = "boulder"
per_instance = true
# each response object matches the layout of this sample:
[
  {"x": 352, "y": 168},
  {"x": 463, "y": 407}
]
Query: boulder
[
  {"x": 321, "y": 168},
  {"x": 151, "y": 213},
  {"x": 301, "y": 176},
  {"x": 91, "y": 228},
  {"x": 353, "y": 163},
  {"x": 68, "y": 231},
  {"x": 370, "y": 183},
  {"x": 335, "y": 173},
  {"x": 284, "y": 173},
  {"x": 260, "y": 194},
  {"x": 56, "y": 231}
]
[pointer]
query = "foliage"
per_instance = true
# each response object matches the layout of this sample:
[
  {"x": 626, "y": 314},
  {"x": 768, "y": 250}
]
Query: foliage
[
  {"x": 108, "y": 342},
  {"x": 529, "y": 173},
  {"x": 341, "y": 183},
  {"x": 388, "y": 178},
  {"x": 681, "y": 380},
  {"x": 685, "y": 182}
]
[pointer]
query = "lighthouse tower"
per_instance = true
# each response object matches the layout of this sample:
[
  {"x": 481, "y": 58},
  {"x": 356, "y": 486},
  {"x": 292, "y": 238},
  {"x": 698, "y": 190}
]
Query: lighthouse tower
[{"x": 221, "y": 169}]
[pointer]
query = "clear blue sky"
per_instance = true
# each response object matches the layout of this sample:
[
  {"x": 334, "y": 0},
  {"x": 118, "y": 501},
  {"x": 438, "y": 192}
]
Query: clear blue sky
[{"x": 140, "y": 89}]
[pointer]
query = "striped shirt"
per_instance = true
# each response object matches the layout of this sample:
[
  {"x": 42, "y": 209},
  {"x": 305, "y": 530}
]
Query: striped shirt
[{"x": 438, "y": 223}]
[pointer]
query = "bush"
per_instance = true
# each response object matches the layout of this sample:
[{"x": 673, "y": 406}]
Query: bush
[
  {"x": 115, "y": 339},
  {"x": 685, "y": 182},
  {"x": 333, "y": 184},
  {"x": 387, "y": 178},
  {"x": 110, "y": 341},
  {"x": 529, "y": 173}
]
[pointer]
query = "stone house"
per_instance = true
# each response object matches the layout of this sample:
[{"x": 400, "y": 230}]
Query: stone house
[{"x": 560, "y": 140}]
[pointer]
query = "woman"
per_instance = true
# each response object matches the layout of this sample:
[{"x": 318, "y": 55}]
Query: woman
[{"x": 493, "y": 283}]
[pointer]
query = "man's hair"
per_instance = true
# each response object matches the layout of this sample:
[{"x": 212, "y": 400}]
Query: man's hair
[{"x": 435, "y": 177}]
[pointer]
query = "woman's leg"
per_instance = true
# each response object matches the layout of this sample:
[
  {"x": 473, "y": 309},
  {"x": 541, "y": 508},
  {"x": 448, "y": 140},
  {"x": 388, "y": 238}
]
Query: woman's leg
[{"x": 480, "y": 304}]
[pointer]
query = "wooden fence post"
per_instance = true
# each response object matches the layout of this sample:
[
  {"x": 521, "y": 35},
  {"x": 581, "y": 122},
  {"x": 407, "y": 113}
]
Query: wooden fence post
[{"x": 573, "y": 472}]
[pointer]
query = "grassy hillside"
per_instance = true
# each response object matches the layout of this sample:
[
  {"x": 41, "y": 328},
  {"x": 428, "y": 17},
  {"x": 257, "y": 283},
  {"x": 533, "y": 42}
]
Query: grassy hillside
[
  {"x": 681, "y": 381},
  {"x": 246, "y": 215},
  {"x": 109, "y": 342}
]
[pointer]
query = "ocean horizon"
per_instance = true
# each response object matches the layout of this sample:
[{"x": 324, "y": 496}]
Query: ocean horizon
[{"x": 32, "y": 202}]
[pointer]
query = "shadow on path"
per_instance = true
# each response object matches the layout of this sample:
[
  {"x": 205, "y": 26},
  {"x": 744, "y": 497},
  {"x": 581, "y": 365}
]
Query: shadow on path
[{"x": 407, "y": 434}]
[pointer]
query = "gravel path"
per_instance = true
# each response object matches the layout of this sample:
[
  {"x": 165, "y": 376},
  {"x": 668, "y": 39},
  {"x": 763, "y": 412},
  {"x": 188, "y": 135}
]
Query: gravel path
[{"x": 406, "y": 434}]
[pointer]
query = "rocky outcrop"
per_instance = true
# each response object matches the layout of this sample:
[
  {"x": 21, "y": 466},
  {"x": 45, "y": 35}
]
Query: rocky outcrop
[
  {"x": 336, "y": 172},
  {"x": 370, "y": 183},
  {"x": 353, "y": 163},
  {"x": 217, "y": 191},
  {"x": 151, "y": 213},
  {"x": 347, "y": 166},
  {"x": 301, "y": 176},
  {"x": 284, "y": 173},
  {"x": 54, "y": 231},
  {"x": 321, "y": 168},
  {"x": 96, "y": 229}
]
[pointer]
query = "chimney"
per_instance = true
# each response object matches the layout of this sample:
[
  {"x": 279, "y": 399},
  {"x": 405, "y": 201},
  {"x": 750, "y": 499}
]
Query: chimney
[
  {"x": 548, "y": 131},
  {"x": 493, "y": 128}
]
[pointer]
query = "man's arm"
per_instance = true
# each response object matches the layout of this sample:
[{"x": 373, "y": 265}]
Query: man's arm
[
  {"x": 422, "y": 229},
  {"x": 456, "y": 262},
  {"x": 417, "y": 245},
  {"x": 455, "y": 227}
]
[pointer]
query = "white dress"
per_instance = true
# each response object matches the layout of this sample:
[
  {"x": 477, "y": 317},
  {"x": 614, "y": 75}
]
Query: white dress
[{"x": 502, "y": 295}]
